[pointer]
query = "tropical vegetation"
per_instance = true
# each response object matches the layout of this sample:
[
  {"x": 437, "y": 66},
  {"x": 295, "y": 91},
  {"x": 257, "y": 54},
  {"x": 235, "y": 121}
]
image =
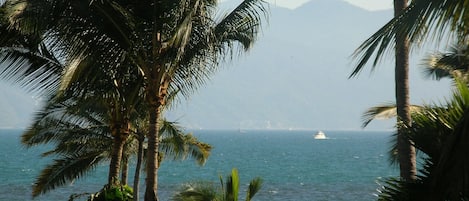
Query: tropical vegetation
[
  {"x": 206, "y": 191},
  {"x": 111, "y": 67},
  {"x": 416, "y": 23},
  {"x": 166, "y": 46},
  {"x": 81, "y": 134},
  {"x": 438, "y": 132},
  {"x": 405, "y": 151}
]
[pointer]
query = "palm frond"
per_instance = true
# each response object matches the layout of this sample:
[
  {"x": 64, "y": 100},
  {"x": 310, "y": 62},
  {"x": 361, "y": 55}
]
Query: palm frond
[
  {"x": 243, "y": 23},
  {"x": 35, "y": 71},
  {"x": 228, "y": 191},
  {"x": 451, "y": 173},
  {"x": 179, "y": 145},
  {"x": 64, "y": 170},
  {"x": 196, "y": 191},
  {"x": 215, "y": 40},
  {"x": 254, "y": 186},
  {"x": 416, "y": 22},
  {"x": 397, "y": 189},
  {"x": 452, "y": 63},
  {"x": 61, "y": 121},
  {"x": 232, "y": 186},
  {"x": 385, "y": 111}
]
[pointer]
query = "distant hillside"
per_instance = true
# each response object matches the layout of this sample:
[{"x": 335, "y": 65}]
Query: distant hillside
[{"x": 296, "y": 75}]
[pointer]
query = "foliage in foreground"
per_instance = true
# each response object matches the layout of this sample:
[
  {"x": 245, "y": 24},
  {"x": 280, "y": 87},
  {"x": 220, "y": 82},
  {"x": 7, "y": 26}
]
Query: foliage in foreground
[
  {"x": 440, "y": 133},
  {"x": 206, "y": 191},
  {"x": 113, "y": 193},
  {"x": 81, "y": 140}
]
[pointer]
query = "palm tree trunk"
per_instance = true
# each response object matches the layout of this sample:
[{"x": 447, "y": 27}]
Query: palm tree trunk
[
  {"x": 121, "y": 133},
  {"x": 125, "y": 168},
  {"x": 138, "y": 167},
  {"x": 406, "y": 151},
  {"x": 153, "y": 142},
  {"x": 116, "y": 156}
]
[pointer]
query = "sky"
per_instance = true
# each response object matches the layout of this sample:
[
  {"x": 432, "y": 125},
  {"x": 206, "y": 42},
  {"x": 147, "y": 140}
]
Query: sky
[{"x": 367, "y": 4}]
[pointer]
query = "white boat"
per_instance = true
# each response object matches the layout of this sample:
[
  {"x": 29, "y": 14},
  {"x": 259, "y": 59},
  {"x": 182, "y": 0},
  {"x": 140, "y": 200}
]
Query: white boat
[{"x": 320, "y": 136}]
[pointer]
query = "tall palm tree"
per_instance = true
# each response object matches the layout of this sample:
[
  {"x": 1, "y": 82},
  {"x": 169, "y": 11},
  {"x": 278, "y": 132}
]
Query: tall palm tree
[
  {"x": 415, "y": 22},
  {"x": 405, "y": 150},
  {"x": 173, "y": 44},
  {"x": 431, "y": 128}
]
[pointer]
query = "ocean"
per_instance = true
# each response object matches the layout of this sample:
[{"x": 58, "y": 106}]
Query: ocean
[{"x": 347, "y": 166}]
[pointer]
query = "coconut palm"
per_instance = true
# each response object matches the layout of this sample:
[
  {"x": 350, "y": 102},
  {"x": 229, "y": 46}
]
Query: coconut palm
[
  {"x": 229, "y": 191},
  {"x": 83, "y": 138},
  {"x": 430, "y": 129},
  {"x": 406, "y": 152},
  {"x": 420, "y": 21},
  {"x": 438, "y": 132},
  {"x": 40, "y": 66},
  {"x": 174, "y": 45}
]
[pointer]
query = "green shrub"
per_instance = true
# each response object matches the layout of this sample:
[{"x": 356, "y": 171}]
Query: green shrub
[{"x": 113, "y": 193}]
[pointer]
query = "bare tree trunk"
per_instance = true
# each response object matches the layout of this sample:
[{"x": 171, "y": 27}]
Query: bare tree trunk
[
  {"x": 141, "y": 139},
  {"x": 116, "y": 158},
  {"x": 153, "y": 142},
  {"x": 121, "y": 132},
  {"x": 406, "y": 151},
  {"x": 125, "y": 168}
]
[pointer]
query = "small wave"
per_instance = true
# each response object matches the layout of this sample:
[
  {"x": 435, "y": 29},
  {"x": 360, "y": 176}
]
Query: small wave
[{"x": 273, "y": 192}]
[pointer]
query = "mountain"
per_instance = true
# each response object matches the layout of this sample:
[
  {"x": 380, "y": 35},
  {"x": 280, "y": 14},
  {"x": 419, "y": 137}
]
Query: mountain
[{"x": 295, "y": 77}]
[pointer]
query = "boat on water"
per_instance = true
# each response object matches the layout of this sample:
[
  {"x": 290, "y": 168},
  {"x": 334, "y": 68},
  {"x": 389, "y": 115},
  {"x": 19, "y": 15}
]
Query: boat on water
[{"x": 320, "y": 136}]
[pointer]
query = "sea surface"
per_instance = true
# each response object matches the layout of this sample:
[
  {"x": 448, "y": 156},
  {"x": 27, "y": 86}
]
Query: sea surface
[{"x": 347, "y": 166}]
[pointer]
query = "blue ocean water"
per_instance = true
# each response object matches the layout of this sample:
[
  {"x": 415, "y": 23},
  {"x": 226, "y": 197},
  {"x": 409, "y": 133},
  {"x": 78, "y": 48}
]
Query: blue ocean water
[{"x": 294, "y": 166}]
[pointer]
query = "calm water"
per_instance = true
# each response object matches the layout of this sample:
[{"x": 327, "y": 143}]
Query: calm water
[{"x": 293, "y": 165}]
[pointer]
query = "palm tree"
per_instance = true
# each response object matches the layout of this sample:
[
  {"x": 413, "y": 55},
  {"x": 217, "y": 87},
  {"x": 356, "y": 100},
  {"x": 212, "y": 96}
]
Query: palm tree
[
  {"x": 420, "y": 21},
  {"x": 439, "y": 132},
  {"x": 174, "y": 45},
  {"x": 203, "y": 191},
  {"x": 405, "y": 150},
  {"x": 431, "y": 128},
  {"x": 83, "y": 138},
  {"x": 35, "y": 62}
]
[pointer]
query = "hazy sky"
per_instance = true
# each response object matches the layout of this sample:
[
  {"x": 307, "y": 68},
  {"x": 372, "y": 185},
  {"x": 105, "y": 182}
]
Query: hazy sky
[{"x": 367, "y": 4}]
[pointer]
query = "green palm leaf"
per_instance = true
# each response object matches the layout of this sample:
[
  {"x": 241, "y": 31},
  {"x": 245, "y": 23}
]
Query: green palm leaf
[
  {"x": 450, "y": 64},
  {"x": 385, "y": 111},
  {"x": 65, "y": 170},
  {"x": 179, "y": 145},
  {"x": 420, "y": 19},
  {"x": 206, "y": 191},
  {"x": 254, "y": 187},
  {"x": 196, "y": 191}
]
